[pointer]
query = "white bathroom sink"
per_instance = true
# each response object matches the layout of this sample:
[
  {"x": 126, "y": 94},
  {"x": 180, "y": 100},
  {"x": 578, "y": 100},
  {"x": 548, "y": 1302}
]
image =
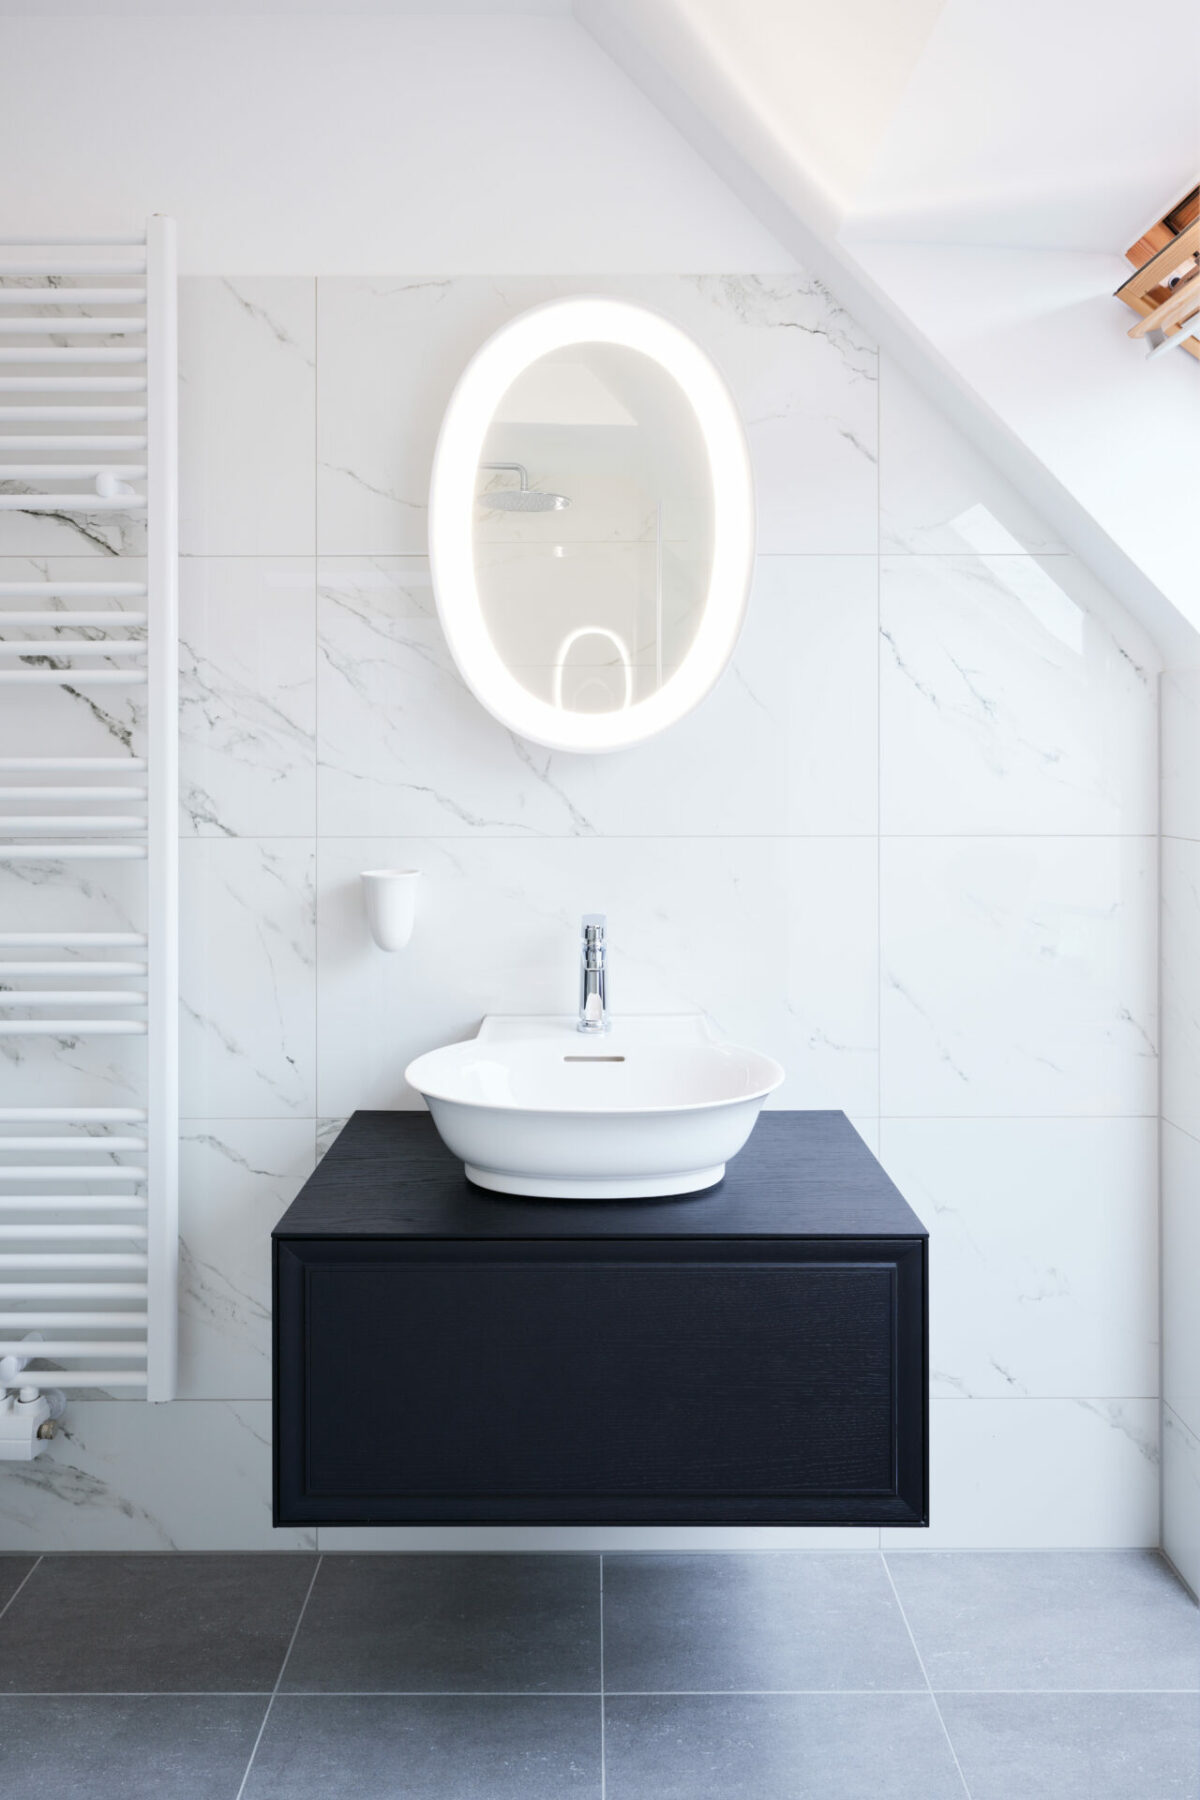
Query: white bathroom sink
[{"x": 653, "y": 1106}]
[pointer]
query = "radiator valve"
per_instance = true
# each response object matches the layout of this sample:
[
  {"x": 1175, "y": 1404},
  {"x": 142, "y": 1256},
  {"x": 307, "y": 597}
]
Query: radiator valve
[{"x": 27, "y": 1421}]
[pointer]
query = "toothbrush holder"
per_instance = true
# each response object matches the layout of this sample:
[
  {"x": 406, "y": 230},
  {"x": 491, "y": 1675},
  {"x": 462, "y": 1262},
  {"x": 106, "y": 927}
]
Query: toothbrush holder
[{"x": 390, "y": 898}]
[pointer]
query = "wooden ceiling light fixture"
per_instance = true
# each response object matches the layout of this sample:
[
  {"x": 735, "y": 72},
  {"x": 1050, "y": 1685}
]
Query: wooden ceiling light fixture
[{"x": 1165, "y": 291}]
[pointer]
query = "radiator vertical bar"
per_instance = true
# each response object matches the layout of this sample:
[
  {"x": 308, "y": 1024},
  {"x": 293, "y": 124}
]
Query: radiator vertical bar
[{"x": 162, "y": 810}]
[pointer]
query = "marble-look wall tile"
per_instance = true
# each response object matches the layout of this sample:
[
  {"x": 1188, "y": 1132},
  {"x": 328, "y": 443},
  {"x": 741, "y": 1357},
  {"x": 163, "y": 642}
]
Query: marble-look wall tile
[
  {"x": 1181, "y": 1261},
  {"x": 774, "y": 939},
  {"x": 1180, "y": 874},
  {"x": 237, "y": 1177},
  {"x": 1019, "y": 976},
  {"x": 1024, "y": 1299},
  {"x": 1181, "y": 1497},
  {"x": 802, "y": 373},
  {"x": 247, "y": 978},
  {"x": 937, "y": 495},
  {"x": 328, "y": 1132},
  {"x": 1039, "y": 1475},
  {"x": 1180, "y": 692},
  {"x": 1014, "y": 697},
  {"x": 784, "y": 745},
  {"x": 247, "y": 415},
  {"x": 247, "y": 696},
  {"x": 81, "y": 720},
  {"x": 805, "y": 378},
  {"x": 121, "y": 1475},
  {"x": 55, "y": 896}
]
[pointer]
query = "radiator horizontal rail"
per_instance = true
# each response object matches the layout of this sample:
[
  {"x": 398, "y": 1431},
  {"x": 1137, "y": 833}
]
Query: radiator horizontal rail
[
  {"x": 56, "y": 1233},
  {"x": 69, "y": 415},
  {"x": 10, "y": 997},
  {"x": 71, "y": 384},
  {"x": 83, "y": 1378},
  {"x": 78, "y": 296},
  {"x": 32, "y": 792},
  {"x": 106, "y": 1115},
  {"x": 72, "y": 677},
  {"x": 100, "y": 851},
  {"x": 82, "y": 1347},
  {"x": 67, "y": 1290},
  {"x": 40, "y": 1320},
  {"x": 73, "y": 1259},
  {"x": 80, "y": 1202},
  {"x": 23, "y": 765},
  {"x": 71, "y": 503},
  {"x": 96, "y": 270},
  {"x": 89, "y": 1145},
  {"x": 73, "y": 1171},
  {"x": 71, "y": 471},
  {"x": 68, "y": 590},
  {"x": 32, "y": 940},
  {"x": 128, "y": 326},
  {"x": 56, "y": 355},
  {"x": 51, "y": 441},
  {"x": 67, "y": 967},
  {"x": 114, "y": 619},
  {"x": 70, "y": 646},
  {"x": 53, "y": 1234},
  {"x": 80, "y": 824},
  {"x": 72, "y": 1028}
]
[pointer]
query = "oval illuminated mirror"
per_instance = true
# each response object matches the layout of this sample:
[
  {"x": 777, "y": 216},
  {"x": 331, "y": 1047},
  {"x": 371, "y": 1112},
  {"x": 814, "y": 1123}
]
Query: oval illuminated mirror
[{"x": 591, "y": 524}]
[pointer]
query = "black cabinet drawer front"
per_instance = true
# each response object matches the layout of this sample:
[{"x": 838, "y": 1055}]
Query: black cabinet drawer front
[
  {"x": 764, "y": 1380},
  {"x": 597, "y": 1379}
]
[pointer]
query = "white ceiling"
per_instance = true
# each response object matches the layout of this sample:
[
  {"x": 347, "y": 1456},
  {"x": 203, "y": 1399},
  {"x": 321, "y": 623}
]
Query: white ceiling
[
  {"x": 823, "y": 79},
  {"x": 1023, "y": 123}
]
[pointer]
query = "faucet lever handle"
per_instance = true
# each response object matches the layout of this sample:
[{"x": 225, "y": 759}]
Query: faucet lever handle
[{"x": 593, "y": 927}]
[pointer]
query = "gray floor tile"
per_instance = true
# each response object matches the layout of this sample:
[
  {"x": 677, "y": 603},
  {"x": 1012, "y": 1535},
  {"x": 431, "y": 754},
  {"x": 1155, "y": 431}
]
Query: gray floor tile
[
  {"x": 755, "y": 1623},
  {"x": 427, "y": 1747},
  {"x": 13, "y": 1570},
  {"x": 1078, "y": 1619},
  {"x": 1076, "y": 1746},
  {"x": 778, "y": 1747},
  {"x": 153, "y": 1624},
  {"x": 141, "y": 1747},
  {"x": 450, "y": 1624}
]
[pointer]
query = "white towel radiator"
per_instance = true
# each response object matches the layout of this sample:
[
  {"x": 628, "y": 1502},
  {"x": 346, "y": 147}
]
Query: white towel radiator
[{"x": 89, "y": 1192}]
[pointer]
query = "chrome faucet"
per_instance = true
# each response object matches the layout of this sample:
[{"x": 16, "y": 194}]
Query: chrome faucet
[{"x": 593, "y": 974}]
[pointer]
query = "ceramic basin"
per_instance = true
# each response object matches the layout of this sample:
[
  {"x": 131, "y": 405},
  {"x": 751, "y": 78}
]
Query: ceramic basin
[{"x": 654, "y": 1106}]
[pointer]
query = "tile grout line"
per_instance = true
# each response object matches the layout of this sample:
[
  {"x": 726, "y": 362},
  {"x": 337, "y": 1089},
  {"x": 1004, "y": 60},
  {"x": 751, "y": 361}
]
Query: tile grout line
[
  {"x": 27, "y": 1575},
  {"x": 603, "y": 1764},
  {"x": 579, "y": 1693},
  {"x": 279, "y": 1678},
  {"x": 925, "y": 1675}
]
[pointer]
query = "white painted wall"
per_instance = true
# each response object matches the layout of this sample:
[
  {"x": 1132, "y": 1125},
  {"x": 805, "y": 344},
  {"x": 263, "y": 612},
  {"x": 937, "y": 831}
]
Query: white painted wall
[
  {"x": 907, "y": 846},
  {"x": 329, "y": 145},
  {"x": 1181, "y": 1118},
  {"x": 1037, "y": 336}
]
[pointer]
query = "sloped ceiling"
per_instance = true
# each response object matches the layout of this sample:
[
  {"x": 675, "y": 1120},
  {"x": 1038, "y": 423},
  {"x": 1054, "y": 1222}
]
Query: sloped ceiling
[{"x": 965, "y": 175}]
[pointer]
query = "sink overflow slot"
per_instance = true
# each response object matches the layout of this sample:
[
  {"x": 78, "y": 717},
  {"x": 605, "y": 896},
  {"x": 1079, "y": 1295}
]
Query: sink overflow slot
[{"x": 593, "y": 1059}]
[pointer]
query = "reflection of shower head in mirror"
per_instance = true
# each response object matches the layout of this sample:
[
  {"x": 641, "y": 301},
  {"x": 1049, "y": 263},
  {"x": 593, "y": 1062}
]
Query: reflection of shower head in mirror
[{"x": 523, "y": 498}]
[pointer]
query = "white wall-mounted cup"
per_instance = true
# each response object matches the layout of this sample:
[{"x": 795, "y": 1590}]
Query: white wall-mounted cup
[{"x": 390, "y": 897}]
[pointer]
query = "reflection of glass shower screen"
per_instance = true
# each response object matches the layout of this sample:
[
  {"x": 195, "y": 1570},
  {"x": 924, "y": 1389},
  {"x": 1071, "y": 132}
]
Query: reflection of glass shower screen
[{"x": 568, "y": 643}]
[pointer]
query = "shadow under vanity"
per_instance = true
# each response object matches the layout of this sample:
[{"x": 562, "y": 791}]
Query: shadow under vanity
[{"x": 755, "y": 1354}]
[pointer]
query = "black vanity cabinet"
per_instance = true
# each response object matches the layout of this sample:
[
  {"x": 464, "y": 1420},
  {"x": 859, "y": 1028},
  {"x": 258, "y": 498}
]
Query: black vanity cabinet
[{"x": 755, "y": 1355}]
